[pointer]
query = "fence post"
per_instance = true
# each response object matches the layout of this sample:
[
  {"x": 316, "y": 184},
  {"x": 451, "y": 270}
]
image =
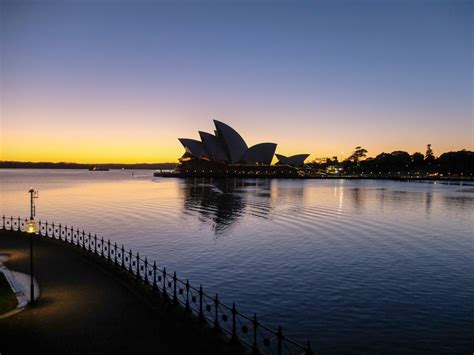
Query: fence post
[
  {"x": 11, "y": 223},
  {"x": 165, "y": 294},
  {"x": 39, "y": 226},
  {"x": 3, "y": 222},
  {"x": 130, "y": 262},
  {"x": 201, "y": 314},
  {"x": 138, "y": 266},
  {"x": 216, "y": 312},
  {"x": 187, "y": 294},
  {"x": 175, "y": 297},
  {"x": 54, "y": 232},
  {"x": 83, "y": 239},
  {"x": 146, "y": 271},
  {"x": 280, "y": 338},
  {"x": 154, "y": 276},
  {"x": 108, "y": 250},
  {"x": 255, "y": 325},
  {"x": 60, "y": 232},
  {"x": 19, "y": 224},
  {"x": 102, "y": 246},
  {"x": 234, "y": 327},
  {"x": 123, "y": 257},
  {"x": 115, "y": 253},
  {"x": 95, "y": 244},
  {"x": 89, "y": 242}
]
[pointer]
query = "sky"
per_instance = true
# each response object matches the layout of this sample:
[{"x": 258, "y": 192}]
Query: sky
[{"x": 120, "y": 81}]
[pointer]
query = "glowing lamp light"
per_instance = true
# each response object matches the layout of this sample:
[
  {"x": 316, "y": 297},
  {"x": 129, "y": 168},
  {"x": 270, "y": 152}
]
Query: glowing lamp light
[{"x": 30, "y": 226}]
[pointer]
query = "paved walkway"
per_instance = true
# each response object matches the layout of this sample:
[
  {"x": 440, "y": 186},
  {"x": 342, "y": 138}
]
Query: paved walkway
[{"x": 85, "y": 308}]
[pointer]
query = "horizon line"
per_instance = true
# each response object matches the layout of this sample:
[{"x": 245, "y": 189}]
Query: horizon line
[{"x": 177, "y": 162}]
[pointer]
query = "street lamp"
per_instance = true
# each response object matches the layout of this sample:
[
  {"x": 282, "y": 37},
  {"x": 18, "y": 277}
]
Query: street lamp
[{"x": 31, "y": 228}]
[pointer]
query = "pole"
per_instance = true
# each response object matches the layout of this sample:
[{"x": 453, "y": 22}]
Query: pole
[{"x": 32, "y": 286}]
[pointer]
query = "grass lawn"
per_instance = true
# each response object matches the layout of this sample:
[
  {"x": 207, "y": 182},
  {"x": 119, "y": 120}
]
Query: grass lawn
[{"x": 8, "y": 299}]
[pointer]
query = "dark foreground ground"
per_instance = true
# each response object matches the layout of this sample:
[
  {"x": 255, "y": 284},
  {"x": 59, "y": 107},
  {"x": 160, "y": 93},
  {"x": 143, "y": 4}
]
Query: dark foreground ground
[{"x": 87, "y": 308}]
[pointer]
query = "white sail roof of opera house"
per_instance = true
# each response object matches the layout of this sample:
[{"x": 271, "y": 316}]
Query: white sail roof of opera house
[
  {"x": 193, "y": 147},
  {"x": 294, "y": 160},
  {"x": 213, "y": 146},
  {"x": 236, "y": 146},
  {"x": 260, "y": 153},
  {"x": 227, "y": 145}
]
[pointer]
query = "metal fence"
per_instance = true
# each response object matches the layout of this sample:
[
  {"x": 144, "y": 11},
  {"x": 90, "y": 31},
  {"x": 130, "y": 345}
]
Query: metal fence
[{"x": 249, "y": 331}]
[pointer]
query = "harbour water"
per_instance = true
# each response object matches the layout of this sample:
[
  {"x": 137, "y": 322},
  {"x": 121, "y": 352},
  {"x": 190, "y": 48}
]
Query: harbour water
[{"x": 356, "y": 266}]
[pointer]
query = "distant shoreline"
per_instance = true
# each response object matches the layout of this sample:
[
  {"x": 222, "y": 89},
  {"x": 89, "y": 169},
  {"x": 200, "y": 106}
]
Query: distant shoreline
[
  {"x": 36, "y": 168},
  {"x": 169, "y": 174},
  {"x": 79, "y": 166},
  {"x": 321, "y": 177}
]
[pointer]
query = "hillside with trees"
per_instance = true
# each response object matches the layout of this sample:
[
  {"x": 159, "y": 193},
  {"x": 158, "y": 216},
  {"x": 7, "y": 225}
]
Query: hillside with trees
[{"x": 459, "y": 163}]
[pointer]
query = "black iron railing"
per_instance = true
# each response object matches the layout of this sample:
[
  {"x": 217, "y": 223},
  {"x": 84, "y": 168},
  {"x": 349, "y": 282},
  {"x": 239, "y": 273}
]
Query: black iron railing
[{"x": 249, "y": 331}]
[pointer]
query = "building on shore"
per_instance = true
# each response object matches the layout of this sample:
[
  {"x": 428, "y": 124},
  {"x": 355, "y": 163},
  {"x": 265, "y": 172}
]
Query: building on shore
[{"x": 226, "y": 153}]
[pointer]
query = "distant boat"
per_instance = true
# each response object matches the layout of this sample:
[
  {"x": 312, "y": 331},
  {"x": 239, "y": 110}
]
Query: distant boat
[{"x": 96, "y": 168}]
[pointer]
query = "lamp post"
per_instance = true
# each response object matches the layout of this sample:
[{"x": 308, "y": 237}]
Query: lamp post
[{"x": 30, "y": 228}]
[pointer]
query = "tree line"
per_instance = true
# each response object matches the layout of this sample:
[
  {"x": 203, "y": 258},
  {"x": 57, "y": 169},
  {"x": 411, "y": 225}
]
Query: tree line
[{"x": 401, "y": 162}]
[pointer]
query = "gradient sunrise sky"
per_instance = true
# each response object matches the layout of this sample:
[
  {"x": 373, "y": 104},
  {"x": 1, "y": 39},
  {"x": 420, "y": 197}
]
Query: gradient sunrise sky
[{"x": 120, "y": 81}]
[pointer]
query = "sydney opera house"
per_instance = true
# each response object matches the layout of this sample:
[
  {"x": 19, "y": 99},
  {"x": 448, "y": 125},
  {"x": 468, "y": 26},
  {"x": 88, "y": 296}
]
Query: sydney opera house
[{"x": 226, "y": 149}]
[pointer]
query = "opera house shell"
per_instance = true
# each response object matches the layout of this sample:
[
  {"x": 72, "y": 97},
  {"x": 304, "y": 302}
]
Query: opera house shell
[
  {"x": 226, "y": 146},
  {"x": 294, "y": 160}
]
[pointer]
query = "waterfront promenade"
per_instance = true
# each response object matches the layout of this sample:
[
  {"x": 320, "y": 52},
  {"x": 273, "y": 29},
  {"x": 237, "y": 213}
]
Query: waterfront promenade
[{"x": 86, "y": 307}]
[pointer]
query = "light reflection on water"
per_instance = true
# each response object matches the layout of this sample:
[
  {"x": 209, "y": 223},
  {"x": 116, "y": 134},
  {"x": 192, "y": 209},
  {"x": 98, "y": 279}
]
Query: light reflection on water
[{"x": 356, "y": 266}]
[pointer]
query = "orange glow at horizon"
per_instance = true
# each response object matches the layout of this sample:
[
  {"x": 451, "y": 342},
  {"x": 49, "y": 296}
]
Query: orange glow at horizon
[
  {"x": 150, "y": 148},
  {"x": 131, "y": 133},
  {"x": 89, "y": 150}
]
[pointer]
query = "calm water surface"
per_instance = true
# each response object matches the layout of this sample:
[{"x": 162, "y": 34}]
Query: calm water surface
[{"x": 355, "y": 266}]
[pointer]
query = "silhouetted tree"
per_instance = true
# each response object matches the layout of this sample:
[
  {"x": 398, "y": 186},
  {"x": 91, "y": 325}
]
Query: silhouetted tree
[
  {"x": 417, "y": 161},
  {"x": 429, "y": 156},
  {"x": 358, "y": 153},
  {"x": 417, "y": 158},
  {"x": 460, "y": 162},
  {"x": 400, "y": 161}
]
